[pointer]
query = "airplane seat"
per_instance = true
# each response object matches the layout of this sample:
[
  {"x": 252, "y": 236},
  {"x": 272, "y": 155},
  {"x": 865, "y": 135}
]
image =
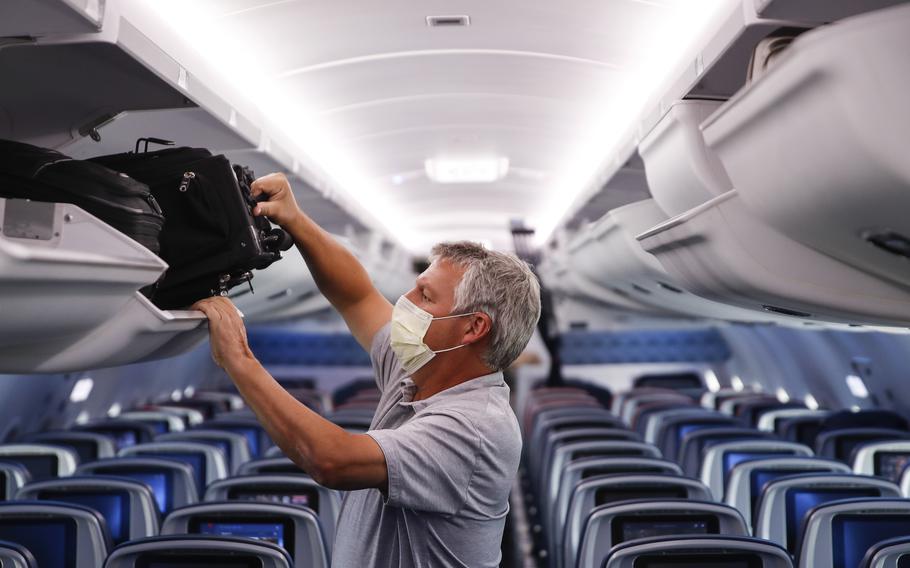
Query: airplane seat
[
  {"x": 12, "y": 477},
  {"x": 43, "y": 461},
  {"x": 172, "y": 483},
  {"x": 553, "y": 512},
  {"x": 689, "y": 383},
  {"x": 603, "y": 394},
  {"x": 839, "y": 444},
  {"x": 652, "y": 426},
  {"x": 208, "y": 462},
  {"x": 537, "y": 411},
  {"x": 731, "y": 405},
  {"x": 622, "y": 398},
  {"x": 59, "y": 535},
  {"x": 802, "y": 428},
  {"x": 161, "y": 420},
  {"x": 894, "y": 552},
  {"x": 256, "y": 436},
  {"x": 281, "y": 465},
  {"x": 343, "y": 393},
  {"x": 695, "y": 444},
  {"x": 673, "y": 430},
  {"x": 189, "y": 416},
  {"x": 864, "y": 419},
  {"x": 284, "y": 489},
  {"x": 606, "y": 489},
  {"x": 839, "y": 533},
  {"x": 771, "y": 420},
  {"x": 295, "y": 529},
  {"x": 636, "y": 412},
  {"x": 882, "y": 459},
  {"x": 541, "y": 454},
  {"x": 751, "y": 411},
  {"x": 720, "y": 459},
  {"x": 785, "y": 501},
  {"x": 14, "y": 555},
  {"x": 698, "y": 551},
  {"x": 89, "y": 446},
  {"x": 235, "y": 447},
  {"x": 569, "y": 452},
  {"x": 127, "y": 506},
  {"x": 716, "y": 400},
  {"x": 566, "y": 419},
  {"x": 274, "y": 452},
  {"x": 748, "y": 478},
  {"x": 616, "y": 523},
  {"x": 227, "y": 401},
  {"x": 124, "y": 432},
  {"x": 208, "y": 408},
  {"x": 183, "y": 551}
]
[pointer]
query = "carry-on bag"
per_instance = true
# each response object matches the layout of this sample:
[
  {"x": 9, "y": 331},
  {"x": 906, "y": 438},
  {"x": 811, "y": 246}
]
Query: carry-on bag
[{"x": 41, "y": 174}]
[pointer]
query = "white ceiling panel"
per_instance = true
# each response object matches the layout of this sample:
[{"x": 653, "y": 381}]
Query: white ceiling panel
[{"x": 368, "y": 92}]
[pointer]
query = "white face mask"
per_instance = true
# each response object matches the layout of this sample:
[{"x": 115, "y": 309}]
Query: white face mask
[{"x": 409, "y": 326}]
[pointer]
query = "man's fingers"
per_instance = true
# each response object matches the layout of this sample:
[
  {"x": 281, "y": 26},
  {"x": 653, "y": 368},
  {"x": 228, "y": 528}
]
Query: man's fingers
[
  {"x": 266, "y": 209},
  {"x": 269, "y": 185}
]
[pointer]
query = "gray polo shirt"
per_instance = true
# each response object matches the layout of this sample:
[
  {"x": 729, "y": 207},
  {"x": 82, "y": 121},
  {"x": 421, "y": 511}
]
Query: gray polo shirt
[{"x": 451, "y": 458}]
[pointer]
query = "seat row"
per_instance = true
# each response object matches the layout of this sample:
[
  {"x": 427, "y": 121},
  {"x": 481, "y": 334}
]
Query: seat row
[{"x": 664, "y": 463}]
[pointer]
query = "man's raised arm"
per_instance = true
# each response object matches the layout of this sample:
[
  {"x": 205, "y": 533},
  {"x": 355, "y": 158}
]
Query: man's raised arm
[{"x": 340, "y": 276}]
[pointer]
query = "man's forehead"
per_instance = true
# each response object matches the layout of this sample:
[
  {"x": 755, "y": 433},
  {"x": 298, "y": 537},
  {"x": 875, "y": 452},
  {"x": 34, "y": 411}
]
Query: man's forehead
[{"x": 441, "y": 273}]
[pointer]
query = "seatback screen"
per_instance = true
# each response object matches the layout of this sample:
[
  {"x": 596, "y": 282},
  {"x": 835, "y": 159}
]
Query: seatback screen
[
  {"x": 801, "y": 501},
  {"x": 251, "y": 435},
  {"x": 904, "y": 561},
  {"x": 276, "y": 530},
  {"x": 114, "y": 506},
  {"x": 891, "y": 465},
  {"x": 51, "y": 541},
  {"x": 589, "y": 472},
  {"x": 639, "y": 526},
  {"x": 159, "y": 481},
  {"x": 761, "y": 477},
  {"x": 222, "y": 445},
  {"x": 273, "y": 494},
  {"x": 699, "y": 561},
  {"x": 194, "y": 460},
  {"x": 4, "y": 481},
  {"x": 686, "y": 429},
  {"x": 853, "y": 535},
  {"x": 123, "y": 437},
  {"x": 628, "y": 493},
  {"x": 40, "y": 466},
  {"x": 86, "y": 450}
]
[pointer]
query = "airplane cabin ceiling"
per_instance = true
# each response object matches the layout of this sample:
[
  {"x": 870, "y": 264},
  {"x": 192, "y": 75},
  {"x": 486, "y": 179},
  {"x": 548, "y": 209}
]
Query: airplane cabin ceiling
[{"x": 370, "y": 91}]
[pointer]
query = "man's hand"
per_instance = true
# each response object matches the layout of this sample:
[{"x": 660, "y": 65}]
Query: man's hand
[
  {"x": 281, "y": 206},
  {"x": 230, "y": 349}
]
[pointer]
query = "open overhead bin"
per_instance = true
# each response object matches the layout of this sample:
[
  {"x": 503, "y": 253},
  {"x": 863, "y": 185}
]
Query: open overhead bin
[
  {"x": 720, "y": 250},
  {"x": 62, "y": 87},
  {"x": 280, "y": 287},
  {"x": 69, "y": 294},
  {"x": 612, "y": 256},
  {"x": 682, "y": 173},
  {"x": 44, "y": 17},
  {"x": 818, "y": 146}
]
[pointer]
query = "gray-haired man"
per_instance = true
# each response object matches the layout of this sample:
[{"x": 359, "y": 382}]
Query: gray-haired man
[{"x": 435, "y": 469}]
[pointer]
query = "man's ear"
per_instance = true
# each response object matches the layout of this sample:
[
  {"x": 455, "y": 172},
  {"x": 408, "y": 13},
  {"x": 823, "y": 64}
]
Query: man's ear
[{"x": 481, "y": 325}]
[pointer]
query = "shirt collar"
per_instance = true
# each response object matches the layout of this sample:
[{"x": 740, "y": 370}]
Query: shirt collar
[{"x": 409, "y": 389}]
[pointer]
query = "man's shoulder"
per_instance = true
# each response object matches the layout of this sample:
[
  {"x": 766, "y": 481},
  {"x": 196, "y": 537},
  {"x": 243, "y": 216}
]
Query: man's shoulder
[{"x": 385, "y": 364}]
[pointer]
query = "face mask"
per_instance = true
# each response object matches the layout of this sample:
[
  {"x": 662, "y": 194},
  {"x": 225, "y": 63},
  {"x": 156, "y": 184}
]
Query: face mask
[{"x": 409, "y": 326}]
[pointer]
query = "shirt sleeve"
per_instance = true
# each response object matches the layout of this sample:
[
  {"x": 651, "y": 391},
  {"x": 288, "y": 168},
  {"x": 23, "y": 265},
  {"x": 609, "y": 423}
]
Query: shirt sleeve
[
  {"x": 385, "y": 364},
  {"x": 430, "y": 460}
]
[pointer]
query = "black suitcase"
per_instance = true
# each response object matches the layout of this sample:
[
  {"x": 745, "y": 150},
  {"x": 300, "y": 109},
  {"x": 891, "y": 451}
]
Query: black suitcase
[
  {"x": 210, "y": 240},
  {"x": 40, "y": 174}
]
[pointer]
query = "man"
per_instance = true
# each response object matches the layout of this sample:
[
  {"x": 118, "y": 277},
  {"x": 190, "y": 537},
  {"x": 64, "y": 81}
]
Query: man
[{"x": 436, "y": 467}]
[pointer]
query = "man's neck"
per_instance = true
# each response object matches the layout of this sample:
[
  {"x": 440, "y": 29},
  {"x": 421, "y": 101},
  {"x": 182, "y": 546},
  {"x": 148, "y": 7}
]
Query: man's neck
[{"x": 440, "y": 377}]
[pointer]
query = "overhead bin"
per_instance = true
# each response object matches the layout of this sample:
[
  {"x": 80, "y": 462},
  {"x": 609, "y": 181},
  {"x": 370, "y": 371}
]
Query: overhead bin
[
  {"x": 43, "y": 17},
  {"x": 682, "y": 173},
  {"x": 818, "y": 146},
  {"x": 720, "y": 250},
  {"x": 819, "y": 11},
  {"x": 613, "y": 256},
  {"x": 69, "y": 294},
  {"x": 68, "y": 85},
  {"x": 281, "y": 286}
]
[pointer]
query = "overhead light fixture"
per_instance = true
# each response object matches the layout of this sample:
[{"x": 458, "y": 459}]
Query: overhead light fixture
[
  {"x": 448, "y": 21},
  {"x": 479, "y": 170},
  {"x": 737, "y": 383},
  {"x": 811, "y": 402},
  {"x": 783, "y": 395},
  {"x": 81, "y": 389},
  {"x": 857, "y": 386},
  {"x": 711, "y": 381}
]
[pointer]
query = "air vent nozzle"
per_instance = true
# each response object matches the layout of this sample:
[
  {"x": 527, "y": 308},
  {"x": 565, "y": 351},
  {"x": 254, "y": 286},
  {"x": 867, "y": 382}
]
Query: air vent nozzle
[{"x": 448, "y": 21}]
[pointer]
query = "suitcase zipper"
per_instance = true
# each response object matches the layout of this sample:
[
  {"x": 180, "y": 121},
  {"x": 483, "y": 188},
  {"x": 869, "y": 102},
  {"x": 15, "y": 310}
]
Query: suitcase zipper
[{"x": 185, "y": 183}]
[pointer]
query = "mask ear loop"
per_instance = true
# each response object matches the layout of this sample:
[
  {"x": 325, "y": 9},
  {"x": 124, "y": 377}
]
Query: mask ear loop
[{"x": 450, "y": 317}]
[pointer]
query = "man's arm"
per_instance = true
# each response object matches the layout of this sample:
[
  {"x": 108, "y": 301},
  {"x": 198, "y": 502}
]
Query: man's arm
[
  {"x": 340, "y": 276},
  {"x": 335, "y": 458}
]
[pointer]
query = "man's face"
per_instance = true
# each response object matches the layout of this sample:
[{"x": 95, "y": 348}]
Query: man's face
[{"x": 434, "y": 291}]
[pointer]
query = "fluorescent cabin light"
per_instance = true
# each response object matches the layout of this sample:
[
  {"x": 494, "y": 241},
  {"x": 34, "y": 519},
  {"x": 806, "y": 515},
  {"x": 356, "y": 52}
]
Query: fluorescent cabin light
[
  {"x": 711, "y": 381},
  {"x": 783, "y": 395},
  {"x": 466, "y": 171},
  {"x": 857, "y": 386},
  {"x": 114, "y": 410},
  {"x": 737, "y": 383},
  {"x": 811, "y": 403},
  {"x": 82, "y": 389}
]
